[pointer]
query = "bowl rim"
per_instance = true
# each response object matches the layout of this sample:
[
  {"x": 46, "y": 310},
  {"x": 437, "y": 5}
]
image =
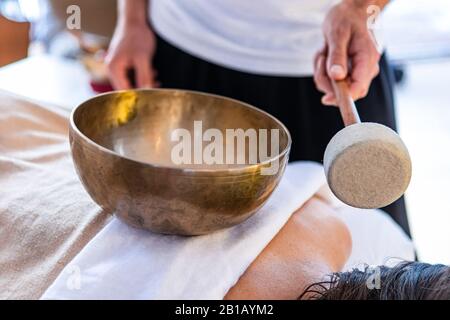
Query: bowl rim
[{"x": 237, "y": 169}]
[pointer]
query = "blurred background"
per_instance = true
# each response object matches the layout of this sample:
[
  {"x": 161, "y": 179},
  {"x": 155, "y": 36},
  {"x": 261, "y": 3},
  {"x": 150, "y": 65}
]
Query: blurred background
[{"x": 43, "y": 60}]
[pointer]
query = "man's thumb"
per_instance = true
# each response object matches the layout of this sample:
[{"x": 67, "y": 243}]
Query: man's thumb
[{"x": 337, "y": 63}]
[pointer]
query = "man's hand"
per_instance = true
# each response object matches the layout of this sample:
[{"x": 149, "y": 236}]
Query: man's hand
[
  {"x": 132, "y": 47},
  {"x": 349, "y": 50}
]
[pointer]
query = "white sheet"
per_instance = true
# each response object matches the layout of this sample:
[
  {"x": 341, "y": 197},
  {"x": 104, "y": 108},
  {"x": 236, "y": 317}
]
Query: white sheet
[
  {"x": 125, "y": 263},
  {"x": 46, "y": 217},
  {"x": 377, "y": 239}
]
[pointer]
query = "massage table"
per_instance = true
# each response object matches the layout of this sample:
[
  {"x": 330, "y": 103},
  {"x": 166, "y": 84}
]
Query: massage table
[{"x": 51, "y": 232}]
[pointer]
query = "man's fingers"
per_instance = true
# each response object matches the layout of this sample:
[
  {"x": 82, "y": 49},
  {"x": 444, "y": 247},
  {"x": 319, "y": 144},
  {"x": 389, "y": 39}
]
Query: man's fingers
[
  {"x": 363, "y": 71},
  {"x": 329, "y": 100},
  {"x": 320, "y": 76},
  {"x": 144, "y": 72},
  {"x": 337, "y": 58},
  {"x": 323, "y": 82},
  {"x": 118, "y": 75},
  {"x": 321, "y": 53}
]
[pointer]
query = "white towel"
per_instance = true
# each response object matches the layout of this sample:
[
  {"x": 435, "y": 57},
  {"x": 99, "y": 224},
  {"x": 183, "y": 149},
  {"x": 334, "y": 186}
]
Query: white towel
[
  {"x": 377, "y": 239},
  {"x": 126, "y": 263}
]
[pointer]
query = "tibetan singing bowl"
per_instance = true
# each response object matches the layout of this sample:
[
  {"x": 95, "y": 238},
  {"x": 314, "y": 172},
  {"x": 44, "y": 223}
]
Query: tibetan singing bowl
[{"x": 145, "y": 155}]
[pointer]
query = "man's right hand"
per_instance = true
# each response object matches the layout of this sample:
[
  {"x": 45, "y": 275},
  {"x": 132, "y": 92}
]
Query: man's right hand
[{"x": 132, "y": 48}]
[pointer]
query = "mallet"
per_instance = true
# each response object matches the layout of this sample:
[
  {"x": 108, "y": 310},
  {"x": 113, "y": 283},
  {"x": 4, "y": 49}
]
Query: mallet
[{"x": 366, "y": 164}]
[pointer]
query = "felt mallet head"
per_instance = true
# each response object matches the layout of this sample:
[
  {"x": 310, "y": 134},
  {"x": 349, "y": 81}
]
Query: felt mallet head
[{"x": 367, "y": 165}]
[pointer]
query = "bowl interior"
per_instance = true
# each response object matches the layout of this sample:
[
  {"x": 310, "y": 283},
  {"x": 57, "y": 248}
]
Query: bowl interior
[{"x": 169, "y": 128}]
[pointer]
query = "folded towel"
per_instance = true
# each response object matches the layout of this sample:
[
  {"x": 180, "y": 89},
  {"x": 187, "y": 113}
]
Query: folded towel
[
  {"x": 125, "y": 263},
  {"x": 45, "y": 215}
]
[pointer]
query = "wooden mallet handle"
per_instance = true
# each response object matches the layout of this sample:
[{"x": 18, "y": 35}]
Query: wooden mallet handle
[{"x": 345, "y": 102}]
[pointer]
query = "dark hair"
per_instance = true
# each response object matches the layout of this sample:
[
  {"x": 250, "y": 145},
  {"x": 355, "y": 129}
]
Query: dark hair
[{"x": 406, "y": 281}]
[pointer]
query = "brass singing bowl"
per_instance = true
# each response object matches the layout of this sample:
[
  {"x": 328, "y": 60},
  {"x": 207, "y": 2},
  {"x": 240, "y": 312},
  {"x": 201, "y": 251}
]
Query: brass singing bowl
[{"x": 122, "y": 147}]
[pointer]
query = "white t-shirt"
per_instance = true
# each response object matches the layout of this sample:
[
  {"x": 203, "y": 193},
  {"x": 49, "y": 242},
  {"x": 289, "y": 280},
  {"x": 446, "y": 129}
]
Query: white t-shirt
[{"x": 272, "y": 37}]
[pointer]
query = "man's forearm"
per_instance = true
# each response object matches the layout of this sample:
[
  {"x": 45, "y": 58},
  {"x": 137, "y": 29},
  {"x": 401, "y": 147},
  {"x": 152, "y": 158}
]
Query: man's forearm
[{"x": 133, "y": 11}]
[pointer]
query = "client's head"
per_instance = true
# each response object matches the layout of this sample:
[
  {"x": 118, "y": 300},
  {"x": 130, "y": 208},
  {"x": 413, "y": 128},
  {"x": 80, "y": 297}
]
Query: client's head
[{"x": 406, "y": 281}]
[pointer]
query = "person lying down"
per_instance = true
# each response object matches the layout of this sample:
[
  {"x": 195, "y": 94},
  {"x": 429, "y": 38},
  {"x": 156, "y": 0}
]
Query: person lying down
[
  {"x": 313, "y": 256},
  {"x": 59, "y": 245},
  {"x": 304, "y": 261},
  {"x": 301, "y": 244}
]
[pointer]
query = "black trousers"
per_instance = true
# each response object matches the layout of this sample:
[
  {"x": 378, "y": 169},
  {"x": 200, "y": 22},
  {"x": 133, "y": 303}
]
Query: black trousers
[{"x": 293, "y": 100}]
